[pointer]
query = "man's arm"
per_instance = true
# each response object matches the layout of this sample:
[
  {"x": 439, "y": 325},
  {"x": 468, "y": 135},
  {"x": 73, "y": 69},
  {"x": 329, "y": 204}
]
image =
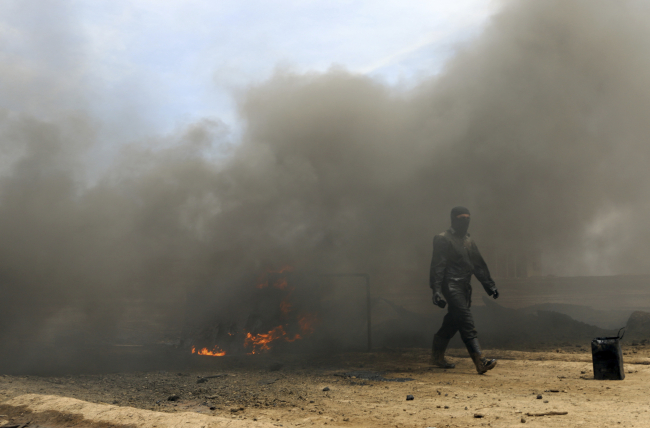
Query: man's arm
[
  {"x": 482, "y": 272},
  {"x": 438, "y": 268}
]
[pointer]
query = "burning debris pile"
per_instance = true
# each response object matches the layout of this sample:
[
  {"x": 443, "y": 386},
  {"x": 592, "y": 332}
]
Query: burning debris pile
[{"x": 280, "y": 312}]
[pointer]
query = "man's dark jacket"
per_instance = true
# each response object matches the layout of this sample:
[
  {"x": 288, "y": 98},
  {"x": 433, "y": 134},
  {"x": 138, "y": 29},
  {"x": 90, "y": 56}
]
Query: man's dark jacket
[{"x": 455, "y": 259}]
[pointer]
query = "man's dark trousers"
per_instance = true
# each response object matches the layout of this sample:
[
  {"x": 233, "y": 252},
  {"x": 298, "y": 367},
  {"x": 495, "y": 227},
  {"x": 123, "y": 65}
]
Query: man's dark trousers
[{"x": 458, "y": 317}]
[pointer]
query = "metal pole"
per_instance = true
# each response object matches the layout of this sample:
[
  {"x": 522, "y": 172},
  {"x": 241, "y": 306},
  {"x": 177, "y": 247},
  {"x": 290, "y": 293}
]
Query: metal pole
[{"x": 369, "y": 312}]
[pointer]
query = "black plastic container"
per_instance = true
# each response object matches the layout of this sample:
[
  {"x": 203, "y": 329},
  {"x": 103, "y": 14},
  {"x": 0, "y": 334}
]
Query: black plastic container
[{"x": 608, "y": 358}]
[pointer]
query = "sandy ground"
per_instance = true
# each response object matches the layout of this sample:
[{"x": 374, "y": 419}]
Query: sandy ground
[{"x": 290, "y": 391}]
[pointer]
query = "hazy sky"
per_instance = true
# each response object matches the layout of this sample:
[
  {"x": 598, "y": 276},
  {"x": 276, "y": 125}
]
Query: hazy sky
[{"x": 164, "y": 63}]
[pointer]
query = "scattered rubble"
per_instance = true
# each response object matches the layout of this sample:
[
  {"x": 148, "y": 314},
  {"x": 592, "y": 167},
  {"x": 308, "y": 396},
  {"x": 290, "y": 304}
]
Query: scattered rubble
[
  {"x": 295, "y": 396},
  {"x": 373, "y": 376}
]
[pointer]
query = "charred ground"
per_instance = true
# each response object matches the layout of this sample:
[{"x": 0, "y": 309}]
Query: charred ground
[{"x": 339, "y": 390}]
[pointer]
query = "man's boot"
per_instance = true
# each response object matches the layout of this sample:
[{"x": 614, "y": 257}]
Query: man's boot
[
  {"x": 438, "y": 353},
  {"x": 482, "y": 364}
]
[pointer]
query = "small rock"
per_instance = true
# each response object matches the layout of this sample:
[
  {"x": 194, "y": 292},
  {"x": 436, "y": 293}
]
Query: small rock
[
  {"x": 201, "y": 380},
  {"x": 523, "y": 421},
  {"x": 409, "y": 397},
  {"x": 539, "y": 396},
  {"x": 213, "y": 408},
  {"x": 346, "y": 419},
  {"x": 545, "y": 401},
  {"x": 446, "y": 407},
  {"x": 327, "y": 388},
  {"x": 465, "y": 407},
  {"x": 479, "y": 415},
  {"x": 173, "y": 398}
]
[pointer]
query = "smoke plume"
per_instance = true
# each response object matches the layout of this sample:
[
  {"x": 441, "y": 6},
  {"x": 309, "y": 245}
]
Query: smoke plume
[{"x": 538, "y": 126}]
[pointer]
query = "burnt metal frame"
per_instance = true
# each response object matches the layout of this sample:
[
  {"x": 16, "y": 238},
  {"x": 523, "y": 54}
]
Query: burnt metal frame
[{"x": 368, "y": 311}]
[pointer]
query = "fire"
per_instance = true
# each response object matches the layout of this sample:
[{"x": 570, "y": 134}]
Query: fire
[
  {"x": 216, "y": 352},
  {"x": 280, "y": 283},
  {"x": 306, "y": 323},
  {"x": 261, "y": 341},
  {"x": 285, "y": 307}
]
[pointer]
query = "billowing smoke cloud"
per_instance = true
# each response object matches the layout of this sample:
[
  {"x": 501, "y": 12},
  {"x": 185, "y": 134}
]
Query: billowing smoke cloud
[{"x": 538, "y": 126}]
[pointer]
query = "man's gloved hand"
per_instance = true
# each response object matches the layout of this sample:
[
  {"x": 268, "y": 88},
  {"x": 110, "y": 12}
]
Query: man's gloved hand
[
  {"x": 438, "y": 300},
  {"x": 494, "y": 293}
]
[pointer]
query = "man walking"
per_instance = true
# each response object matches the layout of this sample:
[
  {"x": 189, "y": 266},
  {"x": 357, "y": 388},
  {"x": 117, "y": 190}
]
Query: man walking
[{"x": 455, "y": 259}]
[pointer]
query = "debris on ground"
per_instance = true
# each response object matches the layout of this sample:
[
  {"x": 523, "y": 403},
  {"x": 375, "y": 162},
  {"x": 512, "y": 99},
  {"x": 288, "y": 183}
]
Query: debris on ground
[
  {"x": 204, "y": 379},
  {"x": 295, "y": 395},
  {"x": 373, "y": 376}
]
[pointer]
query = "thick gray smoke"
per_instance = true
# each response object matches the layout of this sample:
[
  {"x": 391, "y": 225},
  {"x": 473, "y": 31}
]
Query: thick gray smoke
[{"x": 539, "y": 126}]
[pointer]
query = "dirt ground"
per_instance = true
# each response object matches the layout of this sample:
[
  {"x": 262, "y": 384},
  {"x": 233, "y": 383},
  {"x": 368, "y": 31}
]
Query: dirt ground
[{"x": 346, "y": 390}]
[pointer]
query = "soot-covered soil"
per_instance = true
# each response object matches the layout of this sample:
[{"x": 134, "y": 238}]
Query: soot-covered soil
[{"x": 356, "y": 389}]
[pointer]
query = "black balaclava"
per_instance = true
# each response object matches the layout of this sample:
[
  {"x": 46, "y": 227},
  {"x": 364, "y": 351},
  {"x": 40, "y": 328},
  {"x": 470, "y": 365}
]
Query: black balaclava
[{"x": 460, "y": 225}]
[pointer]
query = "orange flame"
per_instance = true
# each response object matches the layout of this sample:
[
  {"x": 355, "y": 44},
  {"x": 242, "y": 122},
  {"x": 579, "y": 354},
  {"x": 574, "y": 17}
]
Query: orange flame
[
  {"x": 280, "y": 283},
  {"x": 307, "y": 322},
  {"x": 285, "y": 307},
  {"x": 216, "y": 352},
  {"x": 261, "y": 341}
]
